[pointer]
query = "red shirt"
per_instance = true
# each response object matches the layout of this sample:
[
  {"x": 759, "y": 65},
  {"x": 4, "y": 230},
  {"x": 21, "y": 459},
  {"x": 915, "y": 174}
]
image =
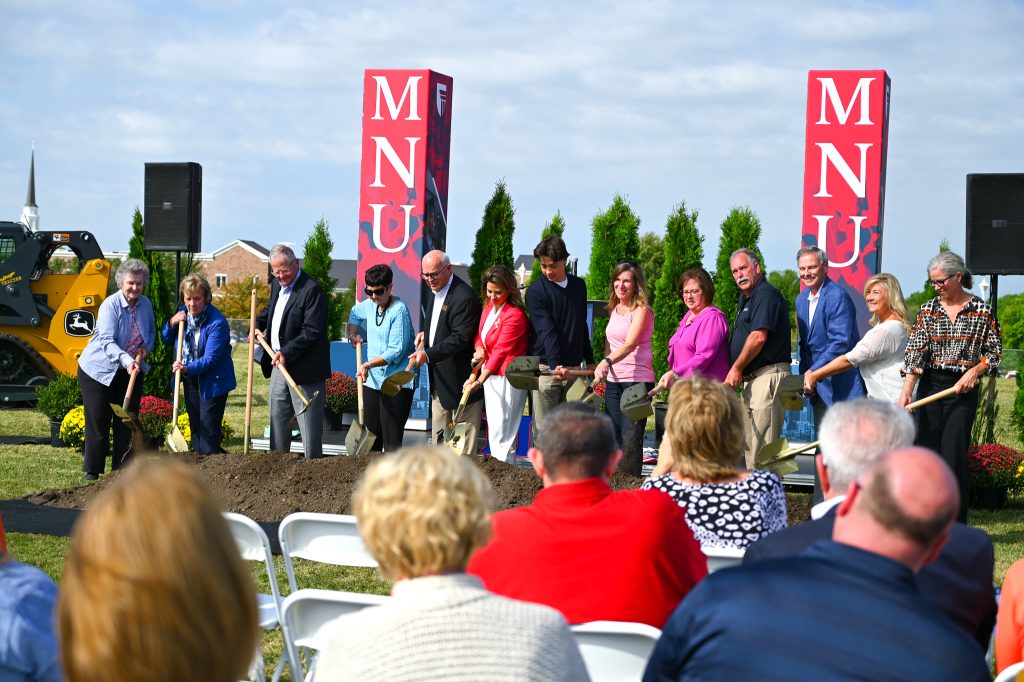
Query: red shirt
[{"x": 594, "y": 554}]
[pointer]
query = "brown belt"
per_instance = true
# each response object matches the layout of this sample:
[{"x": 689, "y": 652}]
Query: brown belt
[{"x": 774, "y": 367}]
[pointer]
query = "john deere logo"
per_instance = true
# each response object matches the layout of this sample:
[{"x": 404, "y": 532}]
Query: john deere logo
[{"x": 79, "y": 323}]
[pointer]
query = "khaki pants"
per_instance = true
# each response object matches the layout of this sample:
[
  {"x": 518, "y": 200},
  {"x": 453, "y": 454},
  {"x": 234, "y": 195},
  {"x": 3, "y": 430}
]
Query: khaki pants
[
  {"x": 440, "y": 418},
  {"x": 764, "y": 411},
  {"x": 549, "y": 395}
]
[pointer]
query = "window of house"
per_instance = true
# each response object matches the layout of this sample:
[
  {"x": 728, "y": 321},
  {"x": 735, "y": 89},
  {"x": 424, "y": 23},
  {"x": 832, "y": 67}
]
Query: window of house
[{"x": 220, "y": 279}]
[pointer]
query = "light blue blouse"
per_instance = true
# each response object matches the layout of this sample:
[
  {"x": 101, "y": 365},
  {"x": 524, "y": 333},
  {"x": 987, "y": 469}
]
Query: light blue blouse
[
  {"x": 105, "y": 351},
  {"x": 392, "y": 339}
]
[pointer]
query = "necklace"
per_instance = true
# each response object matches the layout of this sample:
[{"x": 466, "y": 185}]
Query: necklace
[{"x": 382, "y": 311}]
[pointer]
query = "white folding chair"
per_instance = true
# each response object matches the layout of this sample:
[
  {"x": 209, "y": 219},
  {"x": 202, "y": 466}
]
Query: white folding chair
[
  {"x": 614, "y": 651},
  {"x": 306, "y": 613},
  {"x": 253, "y": 545},
  {"x": 1012, "y": 673},
  {"x": 723, "y": 557},
  {"x": 327, "y": 538}
]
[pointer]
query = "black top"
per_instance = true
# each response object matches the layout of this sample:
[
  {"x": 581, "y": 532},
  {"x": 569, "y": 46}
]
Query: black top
[
  {"x": 765, "y": 309},
  {"x": 558, "y": 322},
  {"x": 450, "y": 357}
]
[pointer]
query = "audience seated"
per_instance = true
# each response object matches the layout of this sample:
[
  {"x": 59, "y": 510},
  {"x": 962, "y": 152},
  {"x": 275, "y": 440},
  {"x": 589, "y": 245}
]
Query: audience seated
[
  {"x": 28, "y": 641},
  {"x": 726, "y": 506},
  {"x": 422, "y": 512},
  {"x": 591, "y": 553},
  {"x": 846, "y": 608},
  {"x": 853, "y": 435},
  {"x": 153, "y": 587},
  {"x": 1010, "y": 625}
]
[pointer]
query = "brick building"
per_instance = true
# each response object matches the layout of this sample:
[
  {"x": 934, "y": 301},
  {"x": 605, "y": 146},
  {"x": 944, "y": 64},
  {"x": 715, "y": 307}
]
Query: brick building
[{"x": 237, "y": 260}]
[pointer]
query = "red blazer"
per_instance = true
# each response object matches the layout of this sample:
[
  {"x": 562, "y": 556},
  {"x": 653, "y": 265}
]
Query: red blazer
[{"x": 507, "y": 339}]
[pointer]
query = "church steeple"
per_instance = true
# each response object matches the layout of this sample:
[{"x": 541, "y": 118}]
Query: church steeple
[{"x": 30, "y": 214}]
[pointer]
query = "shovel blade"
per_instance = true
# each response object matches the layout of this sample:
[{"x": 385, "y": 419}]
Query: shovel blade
[
  {"x": 176, "y": 441},
  {"x": 393, "y": 384},
  {"x": 359, "y": 439},
  {"x": 120, "y": 412},
  {"x": 578, "y": 391},
  {"x": 457, "y": 439},
  {"x": 307, "y": 404},
  {"x": 791, "y": 392},
  {"x": 771, "y": 451},
  {"x": 781, "y": 469},
  {"x": 635, "y": 403},
  {"x": 523, "y": 372}
]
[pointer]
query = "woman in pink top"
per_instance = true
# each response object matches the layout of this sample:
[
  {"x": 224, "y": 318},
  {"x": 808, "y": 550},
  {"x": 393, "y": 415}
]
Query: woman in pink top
[
  {"x": 627, "y": 347},
  {"x": 701, "y": 343}
]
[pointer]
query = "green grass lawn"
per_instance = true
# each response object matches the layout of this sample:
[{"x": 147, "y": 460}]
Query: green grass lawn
[{"x": 28, "y": 468}]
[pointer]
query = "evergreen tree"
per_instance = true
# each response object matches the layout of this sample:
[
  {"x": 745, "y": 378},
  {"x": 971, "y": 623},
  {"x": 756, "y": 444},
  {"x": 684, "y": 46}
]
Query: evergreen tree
[
  {"x": 652, "y": 259},
  {"x": 616, "y": 235},
  {"x": 316, "y": 262},
  {"x": 741, "y": 229},
  {"x": 162, "y": 290},
  {"x": 494, "y": 238},
  {"x": 684, "y": 249},
  {"x": 555, "y": 227}
]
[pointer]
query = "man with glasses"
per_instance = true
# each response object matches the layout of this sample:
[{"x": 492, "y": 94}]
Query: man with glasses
[
  {"x": 295, "y": 325},
  {"x": 557, "y": 303},
  {"x": 450, "y": 319}
]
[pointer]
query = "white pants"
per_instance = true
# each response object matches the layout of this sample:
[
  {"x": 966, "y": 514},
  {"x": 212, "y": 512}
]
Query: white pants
[{"x": 504, "y": 404}]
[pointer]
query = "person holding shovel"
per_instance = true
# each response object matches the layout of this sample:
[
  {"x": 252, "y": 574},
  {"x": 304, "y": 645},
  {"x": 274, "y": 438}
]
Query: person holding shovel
[
  {"x": 388, "y": 345},
  {"x": 208, "y": 374},
  {"x": 124, "y": 336}
]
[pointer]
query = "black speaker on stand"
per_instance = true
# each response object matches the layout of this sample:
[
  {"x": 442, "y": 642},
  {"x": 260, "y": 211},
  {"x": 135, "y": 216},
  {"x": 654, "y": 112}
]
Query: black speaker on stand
[
  {"x": 995, "y": 226},
  {"x": 173, "y": 217}
]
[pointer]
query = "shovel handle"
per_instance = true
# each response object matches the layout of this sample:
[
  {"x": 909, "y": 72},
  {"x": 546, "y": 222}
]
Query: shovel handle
[
  {"x": 359, "y": 381},
  {"x": 284, "y": 372},
  {"x": 177, "y": 374},
  {"x": 131, "y": 382},
  {"x": 941, "y": 394}
]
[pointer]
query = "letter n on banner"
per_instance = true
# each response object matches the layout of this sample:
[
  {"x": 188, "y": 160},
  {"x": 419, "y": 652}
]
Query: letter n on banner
[{"x": 844, "y": 174}]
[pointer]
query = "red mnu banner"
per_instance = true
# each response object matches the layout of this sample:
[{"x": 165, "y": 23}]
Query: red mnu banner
[
  {"x": 844, "y": 174},
  {"x": 403, "y": 197}
]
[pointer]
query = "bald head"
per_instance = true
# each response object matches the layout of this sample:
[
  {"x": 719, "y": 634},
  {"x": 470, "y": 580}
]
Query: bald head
[
  {"x": 436, "y": 269},
  {"x": 901, "y": 507}
]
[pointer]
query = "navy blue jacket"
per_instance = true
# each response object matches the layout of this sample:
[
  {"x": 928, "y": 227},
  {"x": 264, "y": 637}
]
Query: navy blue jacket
[
  {"x": 558, "y": 322},
  {"x": 213, "y": 367}
]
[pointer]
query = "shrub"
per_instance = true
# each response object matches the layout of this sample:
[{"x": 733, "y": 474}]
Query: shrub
[
  {"x": 155, "y": 416},
  {"x": 185, "y": 427},
  {"x": 995, "y": 466},
  {"x": 58, "y": 397},
  {"x": 341, "y": 393},
  {"x": 72, "y": 428}
]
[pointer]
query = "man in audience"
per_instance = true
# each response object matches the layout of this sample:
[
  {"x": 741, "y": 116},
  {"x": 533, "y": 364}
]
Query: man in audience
[
  {"x": 28, "y": 637},
  {"x": 853, "y": 435},
  {"x": 845, "y": 608},
  {"x": 589, "y": 552}
]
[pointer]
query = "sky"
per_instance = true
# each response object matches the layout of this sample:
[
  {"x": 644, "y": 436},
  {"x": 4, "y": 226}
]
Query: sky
[{"x": 569, "y": 102}]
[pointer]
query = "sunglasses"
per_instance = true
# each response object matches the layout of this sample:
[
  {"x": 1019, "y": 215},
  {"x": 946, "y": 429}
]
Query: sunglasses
[{"x": 375, "y": 292}]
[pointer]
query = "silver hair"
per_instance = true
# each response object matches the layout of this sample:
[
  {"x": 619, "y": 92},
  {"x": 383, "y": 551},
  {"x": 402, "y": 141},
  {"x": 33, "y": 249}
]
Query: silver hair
[
  {"x": 951, "y": 264},
  {"x": 132, "y": 266},
  {"x": 812, "y": 251},
  {"x": 854, "y": 433},
  {"x": 283, "y": 250},
  {"x": 754, "y": 260}
]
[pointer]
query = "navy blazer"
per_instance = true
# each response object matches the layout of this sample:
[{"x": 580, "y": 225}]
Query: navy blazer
[
  {"x": 304, "y": 343},
  {"x": 959, "y": 581},
  {"x": 833, "y": 333},
  {"x": 213, "y": 367},
  {"x": 450, "y": 356}
]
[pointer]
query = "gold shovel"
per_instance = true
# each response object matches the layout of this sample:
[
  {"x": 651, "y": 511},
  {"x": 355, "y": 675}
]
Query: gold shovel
[
  {"x": 457, "y": 428},
  {"x": 121, "y": 411},
  {"x": 394, "y": 383},
  {"x": 791, "y": 392},
  {"x": 635, "y": 403},
  {"x": 306, "y": 402},
  {"x": 175, "y": 440},
  {"x": 524, "y": 372},
  {"x": 359, "y": 439},
  {"x": 779, "y": 458}
]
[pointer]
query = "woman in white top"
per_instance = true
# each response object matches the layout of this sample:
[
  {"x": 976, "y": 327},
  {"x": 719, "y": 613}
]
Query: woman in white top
[{"x": 879, "y": 354}]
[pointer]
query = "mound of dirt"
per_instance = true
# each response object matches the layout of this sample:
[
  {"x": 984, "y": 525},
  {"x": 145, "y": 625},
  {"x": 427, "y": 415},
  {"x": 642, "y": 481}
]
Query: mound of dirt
[{"x": 268, "y": 487}]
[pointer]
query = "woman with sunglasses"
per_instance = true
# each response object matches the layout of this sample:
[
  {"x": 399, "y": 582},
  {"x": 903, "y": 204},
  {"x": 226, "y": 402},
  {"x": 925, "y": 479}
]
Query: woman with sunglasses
[
  {"x": 388, "y": 345},
  {"x": 627, "y": 347},
  {"x": 954, "y": 332}
]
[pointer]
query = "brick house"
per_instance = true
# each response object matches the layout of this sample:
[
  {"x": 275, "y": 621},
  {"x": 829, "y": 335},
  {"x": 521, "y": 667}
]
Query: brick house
[{"x": 237, "y": 260}]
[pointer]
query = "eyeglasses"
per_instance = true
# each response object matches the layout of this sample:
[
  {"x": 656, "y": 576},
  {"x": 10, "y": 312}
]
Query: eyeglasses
[
  {"x": 942, "y": 282},
  {"x": 375, "y": 292},
  {"x": 287, "y": 270},
  {"x": 435, "y": 275},
  {"x": 690, "y": 292}
]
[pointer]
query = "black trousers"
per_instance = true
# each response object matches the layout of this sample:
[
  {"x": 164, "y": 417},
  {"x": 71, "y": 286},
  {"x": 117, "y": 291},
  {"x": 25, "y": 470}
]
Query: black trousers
[
  {"x": 386, "y": 417},
  {"x": 98, "y": 417},
  {"x": 612, "y": 399},
  {"x": 204, "y": 418},
  {"x": 945, "y": 426}
]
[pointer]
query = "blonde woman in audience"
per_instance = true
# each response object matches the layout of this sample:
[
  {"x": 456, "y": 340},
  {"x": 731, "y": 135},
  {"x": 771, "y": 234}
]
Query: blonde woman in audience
[
  {"x": 154, "y": 588},
  {"x": 726, "y": 506},
  {"x": 422, "y": 513}
]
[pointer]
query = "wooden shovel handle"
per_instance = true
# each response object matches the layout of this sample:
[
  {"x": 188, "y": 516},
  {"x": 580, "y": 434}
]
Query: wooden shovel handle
[
  {"x": 359, "y": 380},
  {"x": 941, "y": 394},
  {"x": 249, "y": 377},
  {"x": 465, "y": 395},
  {"x": 131, "y": 382},
  {"x": 177, "y": 375},
  {"x": 284, "y": 372}
]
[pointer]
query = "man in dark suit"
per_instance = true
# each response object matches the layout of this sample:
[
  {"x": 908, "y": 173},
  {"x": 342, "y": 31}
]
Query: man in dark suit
[
  {"x": 845, "y": 608},
  {"x": 853, "y": 435},
  {"x": 451, "y": 317},
  {"x": 295, "y": 326}
]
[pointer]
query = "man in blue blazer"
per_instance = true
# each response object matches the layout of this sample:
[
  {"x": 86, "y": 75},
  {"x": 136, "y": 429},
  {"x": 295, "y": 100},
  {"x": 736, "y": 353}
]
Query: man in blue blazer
[
  {"x": 207, "y": 373},
  {"x": 853, "y": 435}
]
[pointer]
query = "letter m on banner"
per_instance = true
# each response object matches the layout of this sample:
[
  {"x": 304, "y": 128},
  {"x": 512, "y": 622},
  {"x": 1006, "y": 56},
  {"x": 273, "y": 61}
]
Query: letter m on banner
[{"x": 844, "y": 174}]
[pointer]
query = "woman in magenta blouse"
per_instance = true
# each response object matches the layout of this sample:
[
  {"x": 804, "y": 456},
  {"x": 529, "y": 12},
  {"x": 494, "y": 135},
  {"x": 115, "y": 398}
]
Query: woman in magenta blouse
[{"x": 701, "y": 343}]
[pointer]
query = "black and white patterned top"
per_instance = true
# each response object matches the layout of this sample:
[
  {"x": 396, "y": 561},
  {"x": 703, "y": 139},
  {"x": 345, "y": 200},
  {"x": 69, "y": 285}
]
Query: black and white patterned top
[
  {"x": 953, "y": 345},
  {"x": 734, "y": 514}
]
